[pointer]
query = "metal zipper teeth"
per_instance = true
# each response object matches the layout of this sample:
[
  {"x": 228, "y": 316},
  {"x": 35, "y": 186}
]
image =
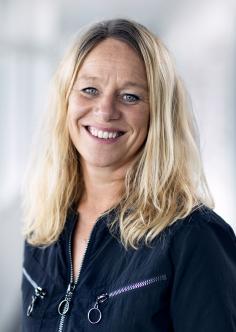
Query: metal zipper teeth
[
  {"x": 38, "y": 293},
  {"x": 137, "y": 285},
  {"x": 95, "y": 310},
  {"x": 28, "y": 277},
  {"x": 62, "y": 320}
]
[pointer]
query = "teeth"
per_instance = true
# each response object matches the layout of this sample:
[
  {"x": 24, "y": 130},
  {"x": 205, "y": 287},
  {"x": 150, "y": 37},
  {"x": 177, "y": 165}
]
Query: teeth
[
  {"x": 105, "y": 135},
  {"x": 102, "y": 134}
]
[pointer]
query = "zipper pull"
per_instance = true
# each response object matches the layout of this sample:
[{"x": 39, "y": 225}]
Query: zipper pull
[
  {"x": 95, "y": 314},
  {"x": 64, "y": 305},
  {"x": 38, "y": 293}
]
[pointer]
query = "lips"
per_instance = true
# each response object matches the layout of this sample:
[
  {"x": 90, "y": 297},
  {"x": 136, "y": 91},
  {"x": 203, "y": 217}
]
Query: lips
[{"x": 105, "y": 133}]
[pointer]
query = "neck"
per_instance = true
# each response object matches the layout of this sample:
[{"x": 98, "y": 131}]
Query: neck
[{"x": 103, "y": 188}]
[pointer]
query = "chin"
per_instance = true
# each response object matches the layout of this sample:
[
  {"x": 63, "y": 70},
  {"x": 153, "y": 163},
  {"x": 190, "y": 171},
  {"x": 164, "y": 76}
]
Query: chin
[{"x": 100, "y": 163}]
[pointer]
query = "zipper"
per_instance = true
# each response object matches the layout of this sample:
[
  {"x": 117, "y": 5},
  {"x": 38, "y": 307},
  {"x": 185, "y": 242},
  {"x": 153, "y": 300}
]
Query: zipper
[
  {"x": 39, "y": 293},
  {"x": 95, "y": 314},
  {"x": 64, "y": 305}
]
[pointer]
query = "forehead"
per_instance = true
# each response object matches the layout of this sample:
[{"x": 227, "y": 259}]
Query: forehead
[
  {"x": 114, "y": 56},
  {"x": 111, "y": 45}
]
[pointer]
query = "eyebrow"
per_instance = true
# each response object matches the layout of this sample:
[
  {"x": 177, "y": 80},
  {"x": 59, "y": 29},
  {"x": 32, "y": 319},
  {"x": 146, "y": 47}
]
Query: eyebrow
[
  {"x": 126, "y": 84},
  {"x": 136, "y": 84}
]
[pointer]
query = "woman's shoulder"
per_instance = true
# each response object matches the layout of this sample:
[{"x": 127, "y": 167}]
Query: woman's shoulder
[
  {"x": 202, "y": 251},
  {"x": 203, "y": 234},
  {"x": 201, "y": 220}
]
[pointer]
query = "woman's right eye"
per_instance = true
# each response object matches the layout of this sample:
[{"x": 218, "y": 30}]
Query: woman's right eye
[{"x": 90, "y": 91}]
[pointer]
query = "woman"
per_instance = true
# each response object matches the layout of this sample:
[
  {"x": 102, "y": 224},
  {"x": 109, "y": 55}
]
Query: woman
[{"x": 120, "y": 234}]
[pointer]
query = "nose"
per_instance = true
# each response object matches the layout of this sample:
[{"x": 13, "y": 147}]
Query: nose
[{"x": 106, "y": 109}]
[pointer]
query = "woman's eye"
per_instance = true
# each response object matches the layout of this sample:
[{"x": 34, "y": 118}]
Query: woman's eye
[
  {"x": 130, "y": 98},
  {"x": 90, "y": 91}
]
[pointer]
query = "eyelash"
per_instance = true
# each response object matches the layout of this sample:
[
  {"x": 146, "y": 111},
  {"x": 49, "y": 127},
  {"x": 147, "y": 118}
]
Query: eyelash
[
  {"x": 131, "y": 96},
  {"x": 128, "y": 98},
  {"x": 89, "y": 91}
]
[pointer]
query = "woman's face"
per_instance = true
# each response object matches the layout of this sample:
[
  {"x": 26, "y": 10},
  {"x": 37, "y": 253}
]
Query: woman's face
[{"x": 108, "y": 112}]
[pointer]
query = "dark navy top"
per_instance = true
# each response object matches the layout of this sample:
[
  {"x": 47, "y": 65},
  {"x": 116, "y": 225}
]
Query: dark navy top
[{"x": 184, "y": 282}]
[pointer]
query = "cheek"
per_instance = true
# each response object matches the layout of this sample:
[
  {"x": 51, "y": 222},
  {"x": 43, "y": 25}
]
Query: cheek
[
  {"x": 74, "y": 112},
  {"x": 76, "y": 108},
  {"x": 71, "y": 129},
  {"x": 73, "y": 115},
  {"x": 140, "y": 121}
]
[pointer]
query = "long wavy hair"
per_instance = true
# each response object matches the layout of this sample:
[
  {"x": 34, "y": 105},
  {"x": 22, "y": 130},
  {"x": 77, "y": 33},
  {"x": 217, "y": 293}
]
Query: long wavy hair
[{"x": 166, "y": 181}]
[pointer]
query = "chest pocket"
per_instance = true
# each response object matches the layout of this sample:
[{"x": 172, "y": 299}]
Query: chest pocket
[
  {"x": 136, "y": 298},
  {"x": 37, "y": 295}
]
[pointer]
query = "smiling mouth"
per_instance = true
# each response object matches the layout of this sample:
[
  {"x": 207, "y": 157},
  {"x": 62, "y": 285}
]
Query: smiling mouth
[{"x": 104, "y": 134}]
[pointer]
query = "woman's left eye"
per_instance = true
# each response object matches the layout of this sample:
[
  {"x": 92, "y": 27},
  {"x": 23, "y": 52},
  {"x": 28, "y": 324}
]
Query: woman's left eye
[{"x": 130, "y": 98}]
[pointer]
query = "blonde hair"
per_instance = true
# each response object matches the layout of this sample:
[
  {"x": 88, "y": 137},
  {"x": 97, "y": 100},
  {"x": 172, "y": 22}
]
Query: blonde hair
[{"x": 166, "y": 181}]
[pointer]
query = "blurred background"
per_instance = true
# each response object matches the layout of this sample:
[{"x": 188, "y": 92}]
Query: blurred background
[{"x": 33, "y": 37}]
